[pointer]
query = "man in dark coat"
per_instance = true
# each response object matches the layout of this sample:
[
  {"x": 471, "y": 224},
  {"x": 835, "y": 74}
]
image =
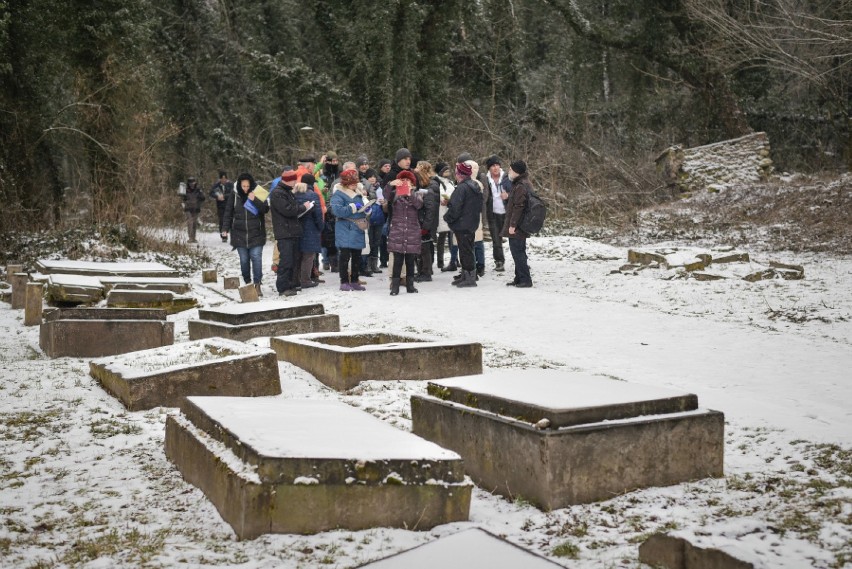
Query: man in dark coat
[
  {"x": 403, "y": 162},
  {"x": 496, "y": 194},
  {"x": 192, "y": 201},
  {"x": 287, "y": 230},
  {"x": 463, "y": 216},
  {"x": 515, "y": 205},
  {"x": 220, "y": 192}
]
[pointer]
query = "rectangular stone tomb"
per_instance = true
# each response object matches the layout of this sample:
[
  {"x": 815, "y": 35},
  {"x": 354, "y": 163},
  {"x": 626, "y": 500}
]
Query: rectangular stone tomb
[
  {"x": 96, "y": 332},
  {"x": 73, "y": 289},
  {"x": 273, "y": 465},
  {"x": 466, "y": 549},
  {"x": 99, "y": 268},
  {"x": 174, "y": 284},
  {"x": 163, "y": 377},
  {"x": 344, "y": 359},
  {"x": 244, "y": 321},
  {"x": 561, "y": 438},
  {"x": 165, "y": 299}
]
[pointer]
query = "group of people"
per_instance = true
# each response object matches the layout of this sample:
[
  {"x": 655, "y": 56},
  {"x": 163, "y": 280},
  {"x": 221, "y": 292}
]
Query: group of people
[{"x": 356, "y": 220}]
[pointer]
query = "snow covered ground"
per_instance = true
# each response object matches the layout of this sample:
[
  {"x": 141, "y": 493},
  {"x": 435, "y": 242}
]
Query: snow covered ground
[{"x": 83, "y": 483}]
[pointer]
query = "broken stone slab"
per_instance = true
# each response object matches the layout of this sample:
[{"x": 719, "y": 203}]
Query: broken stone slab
[
  {"x": 97, "y": 269},
  {"x": 243, "y": 322},
  {"x": 174, "y": 284},
  {"x": 732, "y": 258},
  {"x": 637, "y": 257},
  {"x": 272, "y": 465},
  {"x": 555, "y": 467},
  {"x": 165, "y": 299},
  {"x": 163, "y": 377},
  {"x": 248, "y": 293},
  {"x": 34, "y": 304},
  {"x": 670, "y": 552},
  {"x": 96, "y": 332},
  {"x": 231, "y": 283},
  {"x": 466, "y": 549},
  {"x": 342, "y": 360},
  {"x": 74, "y": 289},
  {"x": 19, "y": 290},
  {"x": 209, "y": 276},
  {"x": 5, "y": 292},
  {"x": 699, "y": 276}
]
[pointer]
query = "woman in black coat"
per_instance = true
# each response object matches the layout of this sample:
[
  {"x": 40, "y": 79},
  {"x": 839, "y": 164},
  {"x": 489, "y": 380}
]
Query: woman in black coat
[{"x": 245, "y": 221}]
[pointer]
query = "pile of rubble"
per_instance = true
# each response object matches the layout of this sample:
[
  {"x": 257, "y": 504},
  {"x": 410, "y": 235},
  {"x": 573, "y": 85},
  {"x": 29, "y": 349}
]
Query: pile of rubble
[{"x": 706, "y": 265}]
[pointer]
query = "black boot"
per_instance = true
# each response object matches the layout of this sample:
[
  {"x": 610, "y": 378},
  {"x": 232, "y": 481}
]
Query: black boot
[
  {"x": 374, "y": 265},
  {"x": 468, "y": 280},
  {"x": 450, "y": 267},
  {"x": 409, "y": 285},
  {"x": 480, "y": 270},
  {"x": 394, "y": 287}
]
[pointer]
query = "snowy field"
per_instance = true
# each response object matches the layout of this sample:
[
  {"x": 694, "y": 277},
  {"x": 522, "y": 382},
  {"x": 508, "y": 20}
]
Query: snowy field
[{"x": 83, "y": 483}]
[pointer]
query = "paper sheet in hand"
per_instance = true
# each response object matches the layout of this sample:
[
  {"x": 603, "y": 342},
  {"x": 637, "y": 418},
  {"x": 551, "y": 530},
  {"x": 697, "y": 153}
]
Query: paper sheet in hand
[
  {"x": 261, "y": 193},
  {"x": 365, "y": 207}
]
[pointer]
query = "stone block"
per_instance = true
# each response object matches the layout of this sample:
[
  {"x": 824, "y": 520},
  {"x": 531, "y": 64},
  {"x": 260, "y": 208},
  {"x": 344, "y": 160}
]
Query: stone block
[
  {"x": 644, "y": 257},
  {"x": 231, "y": 283},
  {"x": 164, "y": 299},
  {"x": 209, "y": 276},
  {"x": 34, "y": 304},
  {"x": 163, "y": 377},
  {"x": 96, "y": 332},
  {"x": 176, "y": 285},
  {"x": 670, "y": 552},
  {"x": 74, "y": 289},
  {"x": 272, "y": 465},
  {"x": 551, "y": 437},
  {"x": 100, "y": 268},
  {"x": 248, "y": 293},
  {"x": 19, "y": 290},
  {"x": 11, "y": 270},
  {"x": 342, "y": 360},
  {"x": 245, "y": 321},
  {"x": 466, "y": 549}
]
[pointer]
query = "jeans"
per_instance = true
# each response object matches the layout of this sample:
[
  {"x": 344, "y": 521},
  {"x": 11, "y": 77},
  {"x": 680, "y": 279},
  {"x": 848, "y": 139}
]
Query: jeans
[
  {"x": 250, "y": 263},
  {"x": 479, "y": 252},
  {"x": 518, "y": 248},
  {"x": 495, "y": 225}
]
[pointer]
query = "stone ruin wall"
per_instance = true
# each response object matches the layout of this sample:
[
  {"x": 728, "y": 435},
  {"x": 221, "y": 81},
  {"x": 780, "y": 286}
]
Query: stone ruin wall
[{"x": 713, "y": 167}]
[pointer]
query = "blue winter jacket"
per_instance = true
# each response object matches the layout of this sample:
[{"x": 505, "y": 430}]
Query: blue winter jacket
[
  {"x": 312, "y": 224},
  {"x": 347, "y": 235}
]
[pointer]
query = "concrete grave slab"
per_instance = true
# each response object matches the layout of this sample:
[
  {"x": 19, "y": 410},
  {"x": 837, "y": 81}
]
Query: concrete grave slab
[
  {"x": 344, "y": 359},
  {"x": 19, "y": 290},
  {"x": 231, "y": 283},
  {"x": 34, "y": 304},
  {"x": 273, "y": 465},
  {"x": 174, "y": 284},
  {"x": 673, "y": 552},
  {"x": 128, "y": 269},
  {"x": 527, "y": 440},
  {"x": 248, "y": 293},
  {"x": 96, "y": 332},
  {"x": 464, "y": 550},
  {"x": 74, "y": 289},
  {"x": 163, "y": 377},
  {"x": 245, "y": 321},
  {"x": 165, "y": 299}
]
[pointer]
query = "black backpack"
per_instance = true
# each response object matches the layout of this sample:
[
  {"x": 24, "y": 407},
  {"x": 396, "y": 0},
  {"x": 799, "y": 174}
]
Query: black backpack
[{"x": 534, "y": 215}]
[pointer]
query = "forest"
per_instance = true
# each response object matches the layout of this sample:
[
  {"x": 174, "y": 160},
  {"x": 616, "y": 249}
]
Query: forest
[{"x": 105, "y": 105}]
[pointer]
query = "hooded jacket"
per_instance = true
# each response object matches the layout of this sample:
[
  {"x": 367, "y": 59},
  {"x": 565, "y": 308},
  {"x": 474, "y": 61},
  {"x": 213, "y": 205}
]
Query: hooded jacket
[
  {"x": 285, "y": 212},
  {"x": 465, "y": 208},
  {"x": 247, "y": 229}
]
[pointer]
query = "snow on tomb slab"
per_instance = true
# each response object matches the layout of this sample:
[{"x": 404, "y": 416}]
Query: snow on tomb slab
[
  {"x": 564, "y": 398},
  {"x": 178, "y": 356},
  {"x": 252, "y": 312},
  {"x": 291, "y": 428},
  {"x": 141, "y": 269},
  {"x": 467, "y": 549},
  {"x": 62, "y": 279}
]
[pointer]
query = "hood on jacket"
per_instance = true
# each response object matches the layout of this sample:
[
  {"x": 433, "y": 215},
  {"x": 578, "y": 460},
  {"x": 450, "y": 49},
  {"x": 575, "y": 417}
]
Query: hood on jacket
[{"x": 238, "y": 185}]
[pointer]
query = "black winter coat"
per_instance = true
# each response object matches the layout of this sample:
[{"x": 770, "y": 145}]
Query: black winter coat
[
  {"x": 285, "y": 212},
  {"x": 193, "y": 199},
  {"x": 431, "y": 207},
  {"x": 246, "y": 229},
  {"x": 465, "y": 207}
]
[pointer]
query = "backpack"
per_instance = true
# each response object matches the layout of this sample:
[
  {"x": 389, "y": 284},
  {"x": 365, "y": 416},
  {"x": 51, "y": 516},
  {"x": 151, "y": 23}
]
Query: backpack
[
  {"x": 377, "y": 215},
  {"x": 534, "y": 214}
]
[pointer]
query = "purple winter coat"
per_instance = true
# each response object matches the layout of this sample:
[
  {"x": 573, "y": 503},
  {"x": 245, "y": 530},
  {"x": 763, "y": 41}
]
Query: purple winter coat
[{"x": 404, "y": 234}]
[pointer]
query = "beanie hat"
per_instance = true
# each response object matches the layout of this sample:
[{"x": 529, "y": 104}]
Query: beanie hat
[
  {"x": 519, "y": 167},
  {"x": 441, "y": 167},
  {"x": 309, "y": 180},
  {"x": 308, "y": 158},
  {"x": 360, "y": 161},
  {"x": 349, "y": 177},
  {"x": 371, "y": 173},
  {"x": 383, "y": 162},
  {"x": 492, "y": 161},
  {"x": 289, "y": 177},
  {"x": 407, "y": 175},
  {"x": 402, "y": 153},
  {"x": 463, "y": 169},
  {"x": 331, "y": 155},
  {"x": 464, "y": 157}
]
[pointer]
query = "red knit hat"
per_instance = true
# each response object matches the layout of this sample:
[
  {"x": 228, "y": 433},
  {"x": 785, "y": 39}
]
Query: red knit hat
[
  {"x": 463, "y": 169},
  {"x": 349, "y": 177},
  {"x": 407, "y": 175},
  {"x": 289, "y": 177}
]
